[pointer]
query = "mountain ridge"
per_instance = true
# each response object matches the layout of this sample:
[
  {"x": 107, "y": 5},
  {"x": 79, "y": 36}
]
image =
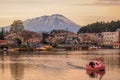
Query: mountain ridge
[{"x": 48, "y": 23}]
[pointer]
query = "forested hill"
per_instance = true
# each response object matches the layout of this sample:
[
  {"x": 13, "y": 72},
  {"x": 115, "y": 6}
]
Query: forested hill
[{"x": 99, "y": 27}]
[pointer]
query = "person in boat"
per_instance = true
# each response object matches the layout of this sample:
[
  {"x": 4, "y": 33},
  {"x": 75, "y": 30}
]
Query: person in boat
[
  {"x": 92, "y": 64},
  {"x": 100, "y": 60},
  {"x": 96, "y": 65}
]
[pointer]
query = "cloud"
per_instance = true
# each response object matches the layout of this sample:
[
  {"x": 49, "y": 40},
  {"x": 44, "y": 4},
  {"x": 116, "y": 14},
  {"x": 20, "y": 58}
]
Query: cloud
[
  {"x": 100, "y": 3},
  {"x": 108, "y": 2}
]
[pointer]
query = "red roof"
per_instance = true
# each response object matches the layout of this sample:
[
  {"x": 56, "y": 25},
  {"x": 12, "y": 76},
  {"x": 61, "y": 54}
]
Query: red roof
[
  {"x": 116, "y": 44},
  {"x": 2, "y": 41}
]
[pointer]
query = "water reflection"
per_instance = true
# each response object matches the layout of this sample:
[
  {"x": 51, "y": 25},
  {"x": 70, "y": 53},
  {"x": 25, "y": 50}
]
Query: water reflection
[
  {"x": 96, "y": 74},
  {"x": 17, "y": 71},
  {"x": 3, "y": 56},
  {"x": 59, "y": 65}
]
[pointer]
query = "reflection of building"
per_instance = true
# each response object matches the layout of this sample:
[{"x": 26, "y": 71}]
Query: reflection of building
[{"x": 17, "y": 71}]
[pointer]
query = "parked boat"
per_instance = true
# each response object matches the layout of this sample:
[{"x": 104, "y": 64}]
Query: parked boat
[
  {"x": 95, "y": 65},
  {"x": 40, "y": 49},
  {"x": 43, "y": 48},
  {"x": 48, "y": 47}
]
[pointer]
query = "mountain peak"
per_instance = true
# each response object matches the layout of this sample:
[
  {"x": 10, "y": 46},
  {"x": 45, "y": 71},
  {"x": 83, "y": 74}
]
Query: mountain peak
[
  {"x": 57, "y": 15},
  {"x": 49, "y": 23}
]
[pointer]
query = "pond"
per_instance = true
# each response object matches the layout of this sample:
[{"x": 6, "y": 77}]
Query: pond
[{"x": 58, "y": 65}]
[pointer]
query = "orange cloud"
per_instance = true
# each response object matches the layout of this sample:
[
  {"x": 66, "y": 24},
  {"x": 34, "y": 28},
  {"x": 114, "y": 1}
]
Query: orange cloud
[{"x": 99, "y": 3}]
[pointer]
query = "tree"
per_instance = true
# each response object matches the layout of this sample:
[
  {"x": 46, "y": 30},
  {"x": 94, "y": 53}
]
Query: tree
[
  {"x": 6, "y": 32},
  {"x": 99, "y": 27},
  {"x": 2, "y": 34},
  {"x": 16, "y": 26},
  {"x": 18, "y": 41}
]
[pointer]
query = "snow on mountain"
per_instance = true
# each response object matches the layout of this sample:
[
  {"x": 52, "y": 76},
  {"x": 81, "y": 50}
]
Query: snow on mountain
[{"x": 49, "y": 23}]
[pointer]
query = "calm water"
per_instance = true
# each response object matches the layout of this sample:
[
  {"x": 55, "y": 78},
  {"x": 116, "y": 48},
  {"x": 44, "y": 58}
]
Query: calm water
[{"x": 59, "y": 65}]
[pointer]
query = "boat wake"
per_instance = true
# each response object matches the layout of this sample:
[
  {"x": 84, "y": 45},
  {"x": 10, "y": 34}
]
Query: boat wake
[
  {"x": 47, "y": 67},
  {"x": 75, "y": 66}
]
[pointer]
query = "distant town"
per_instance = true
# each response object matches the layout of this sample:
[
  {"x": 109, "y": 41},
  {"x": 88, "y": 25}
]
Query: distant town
[{"x": 19, "y": 39}]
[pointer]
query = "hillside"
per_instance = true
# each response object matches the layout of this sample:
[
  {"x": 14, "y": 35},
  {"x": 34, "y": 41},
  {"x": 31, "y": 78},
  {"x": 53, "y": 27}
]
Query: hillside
[{"x": 99, "y": 27}]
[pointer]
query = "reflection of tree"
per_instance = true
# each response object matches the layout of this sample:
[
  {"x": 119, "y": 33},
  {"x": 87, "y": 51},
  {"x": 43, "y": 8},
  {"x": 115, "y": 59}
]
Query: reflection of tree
[
  {"x": 2, "y": 65},
  {"x": 17, "y": 70},
  {"x": 3, "y": 57}
]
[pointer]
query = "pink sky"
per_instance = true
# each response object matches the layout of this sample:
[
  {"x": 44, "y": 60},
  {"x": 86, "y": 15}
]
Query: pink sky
[{"x": 82, "y": 12}]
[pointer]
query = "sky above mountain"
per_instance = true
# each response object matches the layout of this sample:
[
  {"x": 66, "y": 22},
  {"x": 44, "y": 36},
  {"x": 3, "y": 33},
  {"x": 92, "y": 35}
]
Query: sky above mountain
[{"x": 80, "y": 11}]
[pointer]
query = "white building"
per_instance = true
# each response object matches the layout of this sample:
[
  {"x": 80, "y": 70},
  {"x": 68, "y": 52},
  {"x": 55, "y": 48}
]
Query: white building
[{"x": 110, "y": 37}]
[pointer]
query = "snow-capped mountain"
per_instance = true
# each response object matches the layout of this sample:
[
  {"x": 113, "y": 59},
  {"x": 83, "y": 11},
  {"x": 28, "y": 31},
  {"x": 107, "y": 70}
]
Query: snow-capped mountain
[{"x": 49, "y": 23}]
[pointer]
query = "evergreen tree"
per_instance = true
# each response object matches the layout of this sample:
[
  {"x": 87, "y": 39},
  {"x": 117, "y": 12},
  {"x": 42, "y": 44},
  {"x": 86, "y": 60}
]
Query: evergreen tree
[
  {"x": 2, "y": 33},
  {"x": 18, "y": 41},
  {"x": 6, "y": 32},
  {"x": 99, "y": 27}
]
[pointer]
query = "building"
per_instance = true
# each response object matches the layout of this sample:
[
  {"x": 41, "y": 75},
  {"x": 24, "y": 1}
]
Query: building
[
  {"x": 62, "y": 36},
  {"x": 72, "y": 39},
  {"x": 3, "y": 42},
  {"x": 117, "y": 43},
  {"x": 111, "y": 38},
  {"x": 24, "y": 36},
  {"x": 92, "y": 38}
]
